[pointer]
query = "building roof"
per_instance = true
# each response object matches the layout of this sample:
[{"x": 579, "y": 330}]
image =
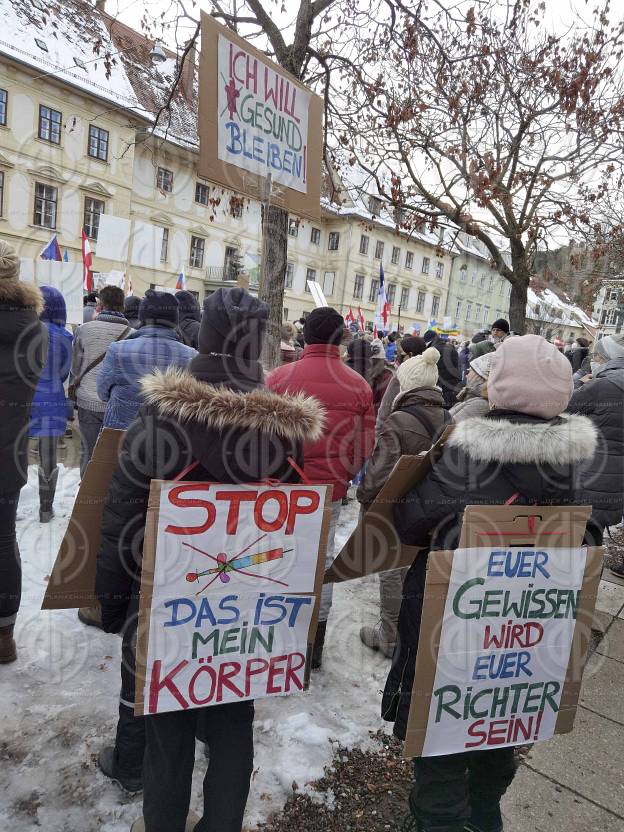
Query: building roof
[{"x": 545, "y": 305}]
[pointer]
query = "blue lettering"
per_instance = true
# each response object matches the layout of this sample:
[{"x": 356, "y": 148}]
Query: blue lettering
[
  {"x": 235, "y": 146},
  {"x": 258, "y": 149},
  {"x": 175, "y": 605}
]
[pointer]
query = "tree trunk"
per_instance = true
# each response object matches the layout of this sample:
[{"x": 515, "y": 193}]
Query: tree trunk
[
  {"x": 273, "y": 277},
  {"x": 517, "y": 306}
]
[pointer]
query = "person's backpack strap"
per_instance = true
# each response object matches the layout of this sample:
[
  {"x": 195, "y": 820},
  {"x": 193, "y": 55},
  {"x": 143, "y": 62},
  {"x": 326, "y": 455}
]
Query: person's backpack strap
[
  {"x": 76, "y": 384},
  {"x": 417, "y": 412}
]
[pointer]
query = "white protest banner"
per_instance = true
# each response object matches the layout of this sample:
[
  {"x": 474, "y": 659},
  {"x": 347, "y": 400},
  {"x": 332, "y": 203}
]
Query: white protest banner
[
  {"x": 229, "y": 587},
  {"x": 113, "y": 238},
  {"x": 504, "y": 649},
  {"x": 67, "y": 278}
]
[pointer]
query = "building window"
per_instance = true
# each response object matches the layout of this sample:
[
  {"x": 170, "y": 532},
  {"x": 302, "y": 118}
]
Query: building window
[
  {"x": 478, "y": 312},
  {"x": 435, "y": 307},
  {"x": 468, "y": 311},
  {"x": 310, "y": 275},
  {"x": 463, "y": 273},
  {"x": 391, "y": 293},
  {"x": 379, "y": 248},
  {"x": 425, "y": 265},
  {"x": 473, "y": 279},
  {"x": 396, "y": 255},
  {"x": 290, "y": 274},
  {"x": 328, "y": 283},
  {"x": 198, "y": 245},
  {"x": 46, "y": 198},
  {"x": 486, "y": 314},
  {"x": 285, "y": 317},
  {"x": 50, "y": 124},
  {"x": 358, "y": 287},
  {"x": 164, "y": 180},
  {"x": 93, "y": 210},
  {"x": 3, "y": 107},
  {"x": 164, "y": 248},
  {"x": 374, "y": 291},
  {"x": 374, "y": 205},
  {"x": 231, "y": 263},
  {"x": 482, "y": 282},
  {"x": 458, "y": 310},
  {"x": 202, "y": 193},
  {"x": 315, "y": 236},
  {"x": 404, "y": 297},
  {"x": 1, "y": 193},
  {"x": 439, "y": 270},
  {"x": 333, "y": 241},
  {"x": 293, "y": 228},
  {"x": 364, "y": 240},
  {"x": 98, "y": 143},
  {"x": 491, "y": 283},
  {"x": 500, "y": 287},
  {"x": 409, "y": 260},
  {"x": 420, "y": 302}
]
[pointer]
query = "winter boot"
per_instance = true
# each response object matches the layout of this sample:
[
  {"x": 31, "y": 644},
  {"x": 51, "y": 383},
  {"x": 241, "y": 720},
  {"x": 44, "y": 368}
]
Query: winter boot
[
  {"x": 617, "y": 569},
  {"x": 8, "y": 650},
  {"x": 91, "y": 616},
  {"x": 108, "y": 766},
  {"x": 191, "y": 822},
  {"x": 372, "y": 637},
  {"x": 411, "y": 824},
  {"x": 485, "y": 820},
  {"x": 47, "y": 490},
  {"x": 319, "y": 642}
]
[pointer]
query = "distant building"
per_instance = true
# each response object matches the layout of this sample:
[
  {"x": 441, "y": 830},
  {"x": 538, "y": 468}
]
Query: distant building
[
  {"x": 609, "y": 305},
  {"x": 551, "y": 315}
]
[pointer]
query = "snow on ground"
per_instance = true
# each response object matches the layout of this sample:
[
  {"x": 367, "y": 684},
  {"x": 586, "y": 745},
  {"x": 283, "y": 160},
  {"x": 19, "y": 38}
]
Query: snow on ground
[{"x": 58, "y": 702}]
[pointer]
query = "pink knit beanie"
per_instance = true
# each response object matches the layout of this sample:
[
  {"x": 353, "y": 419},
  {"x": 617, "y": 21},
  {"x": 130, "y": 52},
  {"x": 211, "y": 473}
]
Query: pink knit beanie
[{"x": 530, "y": 375}]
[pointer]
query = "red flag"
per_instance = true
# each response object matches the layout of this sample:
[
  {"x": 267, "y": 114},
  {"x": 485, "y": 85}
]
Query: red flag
[
  {"x": 361, "y": 320},
  {"x": 350, "y": 317},
  {"x": 87, "y": 261}
]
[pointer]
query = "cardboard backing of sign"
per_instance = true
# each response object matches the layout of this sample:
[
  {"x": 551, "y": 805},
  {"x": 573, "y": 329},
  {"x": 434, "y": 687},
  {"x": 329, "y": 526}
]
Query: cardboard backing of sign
[
  {"x": 230, "y": 176},
  {"x": 147, "y": 584},
  {"x": 374, "y": 546},
  {"x": 504, "y": 526},
  {"x": 72, "y": 582}
]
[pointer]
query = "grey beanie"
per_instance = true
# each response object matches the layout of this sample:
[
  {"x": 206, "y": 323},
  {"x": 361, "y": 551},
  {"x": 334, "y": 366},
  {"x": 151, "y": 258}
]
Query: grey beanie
[
  {"x": 9, "y": 262},
  {"x": 610, "y": 347}
]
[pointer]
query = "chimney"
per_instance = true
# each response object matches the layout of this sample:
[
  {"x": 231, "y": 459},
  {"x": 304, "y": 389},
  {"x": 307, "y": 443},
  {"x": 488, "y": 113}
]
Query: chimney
[{"x": 187, "y": 77}]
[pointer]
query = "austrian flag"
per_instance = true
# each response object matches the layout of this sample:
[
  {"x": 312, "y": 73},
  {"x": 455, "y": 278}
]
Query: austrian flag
[{"x": 87, "y": 261}]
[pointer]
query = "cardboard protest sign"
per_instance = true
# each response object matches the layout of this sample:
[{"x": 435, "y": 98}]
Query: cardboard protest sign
[
  {"x": 72, "y": 580},
  {"x": 256, "y": 119},
  {"x": 230, "y": 585},
  {"x": 505, "y": 631},
  {"x": 374, "y": 546}
]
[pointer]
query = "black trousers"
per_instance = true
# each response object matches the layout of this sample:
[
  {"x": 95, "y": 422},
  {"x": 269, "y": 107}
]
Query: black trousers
[
  {"x": 130, "y": 739},
  {"x": 90, "y": 424},
  {"x": 10, "y": 563},
  {"x": 169, "y": 761},
  {"x": 452, "y": 788},
  {"x": 47, "y": 453}
]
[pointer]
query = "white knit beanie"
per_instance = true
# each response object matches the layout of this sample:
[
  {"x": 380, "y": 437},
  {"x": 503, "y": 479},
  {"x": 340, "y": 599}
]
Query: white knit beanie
[
  {"x": 482, "y": 365},
  {"x": 420, "y": 371},
  {"x": 9, "y": 262}
]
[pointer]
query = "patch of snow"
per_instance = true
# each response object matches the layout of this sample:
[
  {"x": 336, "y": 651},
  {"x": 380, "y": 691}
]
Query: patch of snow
[{"x": 58, "y": 702}]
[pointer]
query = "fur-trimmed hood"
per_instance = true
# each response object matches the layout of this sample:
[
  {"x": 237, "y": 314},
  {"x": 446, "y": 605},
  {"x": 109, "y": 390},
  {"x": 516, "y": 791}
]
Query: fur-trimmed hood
[
  {"x": 567, "y": 440},
  {"x": 15, "y": 293},
  {"x": 178, "y": 394}
]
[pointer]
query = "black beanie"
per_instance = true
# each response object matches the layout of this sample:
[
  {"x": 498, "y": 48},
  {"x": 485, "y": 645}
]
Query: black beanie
[
  {"x": 429, "y": 336},
  {"x": 501, "y": 323},
  {"x": 323, "y": 326},
  {"x": 189, "y": 305},
  {"x": 233, "y": 323},
  {"x": 131, "y": 306},
  {"x": 159, "y": 308}
]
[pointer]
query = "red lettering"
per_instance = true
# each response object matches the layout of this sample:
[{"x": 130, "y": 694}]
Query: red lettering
[
  {"x": 226, "y": 671},
  {"x": 205, "y": 668},
  {"x": 474, "y": 730},
  {"x": 262, "y": 666},
  {"x": 302, "y": 501},
  {"x": 252, "y": 74},
  {"x": 497, "y": 735},
  {"x": 157, "y": 684},
  {"x": 182, "y": 502},
  {"x": 271, "y": 525},
  {"x": 235, "y": 498},
  {"x": 234, "y": 61},
  {"x": 291, "y": 671},
  {"x": 274, "y": 671}
]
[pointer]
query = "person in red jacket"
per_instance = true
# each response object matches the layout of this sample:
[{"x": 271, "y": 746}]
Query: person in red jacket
[{"x": 349, "y": 434}]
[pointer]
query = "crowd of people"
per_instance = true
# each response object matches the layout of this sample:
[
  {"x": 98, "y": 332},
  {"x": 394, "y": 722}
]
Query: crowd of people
[{"x": 530, "y": 422}]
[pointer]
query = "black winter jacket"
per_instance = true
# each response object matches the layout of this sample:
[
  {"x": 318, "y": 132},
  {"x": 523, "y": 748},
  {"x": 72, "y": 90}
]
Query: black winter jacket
[
  {"x": 23, "y": 351},
  {"x": 602, "y": 479},
  {"x": 449, "y": 371},
  {"x": 217, "y": 413},
  {"x": 190, "y": 318},
  {"x": 486, "y": 461}
]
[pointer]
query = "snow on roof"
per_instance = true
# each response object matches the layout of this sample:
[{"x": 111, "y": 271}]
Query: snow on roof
[
  {"x": 58, "y": 39},
  {"x": 545, "y": 305}
]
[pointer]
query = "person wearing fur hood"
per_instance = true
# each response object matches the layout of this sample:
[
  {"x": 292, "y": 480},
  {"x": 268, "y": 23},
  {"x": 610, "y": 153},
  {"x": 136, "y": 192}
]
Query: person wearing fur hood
[
  {"x": 416, "y": 418},
  {"x": 526, "y": 450},
  {"x": 23, "y": 350},
  {"x": 218, "y": 414}
]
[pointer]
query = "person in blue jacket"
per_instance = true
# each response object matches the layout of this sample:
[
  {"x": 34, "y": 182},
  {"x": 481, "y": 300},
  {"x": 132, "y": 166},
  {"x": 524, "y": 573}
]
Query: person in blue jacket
[
  {"x": 48, "y": 415},
  {"x": 155, "y": 345}
]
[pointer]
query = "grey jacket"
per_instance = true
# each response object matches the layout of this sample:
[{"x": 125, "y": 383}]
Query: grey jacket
[
  {"x": 473, "y": 405},
  {"x": 92, "y": 340}
]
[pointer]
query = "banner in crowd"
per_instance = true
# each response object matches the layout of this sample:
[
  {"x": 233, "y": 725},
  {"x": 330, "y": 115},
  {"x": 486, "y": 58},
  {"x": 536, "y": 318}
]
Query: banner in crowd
[
  {"x": 229, "y": 592},
  {"x": 256, "y": 120},
  {"x": 505, "y": 636}
]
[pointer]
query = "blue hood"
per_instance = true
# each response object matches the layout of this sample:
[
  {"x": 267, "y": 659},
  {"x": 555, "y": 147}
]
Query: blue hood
[{"x": 54, "y": 309}]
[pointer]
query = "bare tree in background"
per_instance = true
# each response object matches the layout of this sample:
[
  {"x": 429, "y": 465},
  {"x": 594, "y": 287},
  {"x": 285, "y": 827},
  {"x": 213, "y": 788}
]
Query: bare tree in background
[{"x": 484, "y": 119}]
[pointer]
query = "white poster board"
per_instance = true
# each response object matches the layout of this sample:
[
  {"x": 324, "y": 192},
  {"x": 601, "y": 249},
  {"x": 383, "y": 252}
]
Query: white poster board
[
  {"x": 146, "y": 245},
  {"x": 112, "y": 278},
  {"x": 262, "y": 117},
  {"x": 504, "y": 649},
  {"x": 113, "y": 238},
  {"x": 68, "y": 279},
  {"x": 317, "y": 294},
  {"x": 230, "y": 580}
]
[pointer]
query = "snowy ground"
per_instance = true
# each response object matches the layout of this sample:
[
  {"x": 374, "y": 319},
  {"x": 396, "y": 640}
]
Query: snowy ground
[{"x": 58, "y": 703}]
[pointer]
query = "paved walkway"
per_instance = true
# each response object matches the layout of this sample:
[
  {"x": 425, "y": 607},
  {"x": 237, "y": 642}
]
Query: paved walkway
[{"x": 575, "y": 782}]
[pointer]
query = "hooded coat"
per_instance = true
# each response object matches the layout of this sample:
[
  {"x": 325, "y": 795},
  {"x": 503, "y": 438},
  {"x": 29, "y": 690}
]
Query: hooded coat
[
  {"x": 602, "y": 401},
  {"x": 449, "y": 371},
  {"x": 216, "y": 413},
  {"x": 190, "y": 318},
  {"x": 48, "y": 416},
  {"x": 485, "y": 461},
  {"x": 23, "y": 348}
]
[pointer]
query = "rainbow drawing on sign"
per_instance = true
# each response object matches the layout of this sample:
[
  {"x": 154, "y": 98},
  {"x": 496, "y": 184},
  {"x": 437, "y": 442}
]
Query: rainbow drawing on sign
[{"x": 237, "y": 563}]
